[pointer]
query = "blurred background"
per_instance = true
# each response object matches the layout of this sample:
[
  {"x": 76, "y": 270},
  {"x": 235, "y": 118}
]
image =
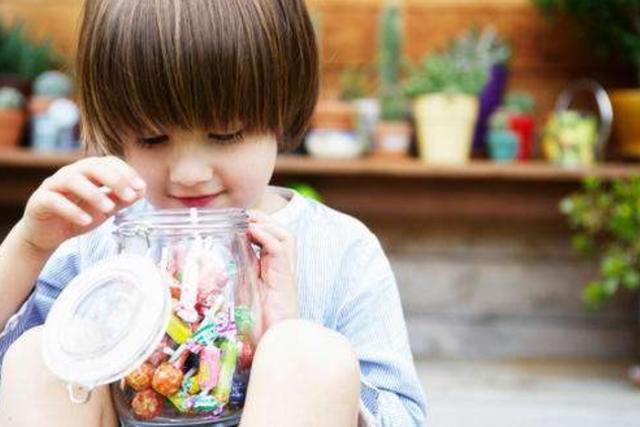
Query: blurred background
[{"x": 492, "y": 146}]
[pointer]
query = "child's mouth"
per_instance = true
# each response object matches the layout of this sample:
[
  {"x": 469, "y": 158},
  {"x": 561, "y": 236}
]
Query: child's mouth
[{"x": 198, "y": 201}]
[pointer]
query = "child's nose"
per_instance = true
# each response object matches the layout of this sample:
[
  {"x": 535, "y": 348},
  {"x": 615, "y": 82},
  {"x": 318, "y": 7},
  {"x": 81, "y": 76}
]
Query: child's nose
[{"x": 190, "y": 172}]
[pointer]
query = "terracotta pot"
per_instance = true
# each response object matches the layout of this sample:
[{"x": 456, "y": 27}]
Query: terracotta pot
[
  {"x": 392, "y": 139},
  {"x": 626, "y": 126},
  {"x": 445, "y": 125},
  {"x": 334, "y": 115},
  {"x": 11, "y": 127}
]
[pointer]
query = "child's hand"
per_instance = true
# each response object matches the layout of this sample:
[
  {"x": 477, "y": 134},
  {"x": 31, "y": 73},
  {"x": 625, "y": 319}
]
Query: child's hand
[
  {"x": 78, "y": 198},
  {"x": 278, "y": 290}
]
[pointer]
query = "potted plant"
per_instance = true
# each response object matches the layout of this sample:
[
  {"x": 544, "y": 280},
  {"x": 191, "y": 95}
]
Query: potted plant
[
  {"x": 22, "y": 60},
  {"x": 613, "y": 27},
  {"x": 356, "y": 89},
  {"x": 511, "y": 128},
  {"x": 12, "y": 116},
  {"x": 446, "y": 87},
  {"x": 393, "y": 133}
]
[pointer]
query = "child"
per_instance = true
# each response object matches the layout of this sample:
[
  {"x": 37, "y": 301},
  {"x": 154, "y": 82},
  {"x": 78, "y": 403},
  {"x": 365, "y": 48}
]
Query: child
[{"x": 188, "y": 103}]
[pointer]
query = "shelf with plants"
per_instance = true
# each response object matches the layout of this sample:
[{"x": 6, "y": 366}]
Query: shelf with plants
[{"x": 381, "y": 167}]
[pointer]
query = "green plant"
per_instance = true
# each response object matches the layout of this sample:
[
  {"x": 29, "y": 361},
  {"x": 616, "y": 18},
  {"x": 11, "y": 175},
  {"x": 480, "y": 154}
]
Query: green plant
[
  {"x": 463, "y": 67},
  {"x": 519, "y": 102},
  {"x": 354, "y": 83},
  {"x": 445, "y": 73},
  {"x": 22, "y": 57},
  {"x": 606, "y": 222},
  {"x": 53, "y": 84},
  {"x": 10, "y": 99},
  {"x": 612, "y": 25},
  {"x": 393, "y": 103}
]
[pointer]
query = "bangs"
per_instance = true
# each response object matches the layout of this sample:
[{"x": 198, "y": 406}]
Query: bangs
[{"x": 151, "y": 65}]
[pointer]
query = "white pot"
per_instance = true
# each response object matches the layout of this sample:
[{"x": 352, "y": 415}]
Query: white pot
[{"x": 445, "y": 125}]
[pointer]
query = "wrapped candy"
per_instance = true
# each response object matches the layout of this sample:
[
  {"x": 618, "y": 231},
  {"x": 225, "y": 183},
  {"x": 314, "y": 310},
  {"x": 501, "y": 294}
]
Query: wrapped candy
[
  {"x": 140, "y": 378},
  {"x": 244, "y": 320},
  {"x": 246, "y": 354},
  {"x": 189, "y": 291},
  {"x": 181, "y": 401},
  {"x": 238, "y": 389},
  {"x": 209, "y": 368},
  {"x": 178, "y": 331},
  {"x": 167, "y": 379},
  {"x": 147, "y": 404},
  {"x": 227, "y": 368},
  {"x": 204, "y": 402},
  {"x": 206, "y": 334}
]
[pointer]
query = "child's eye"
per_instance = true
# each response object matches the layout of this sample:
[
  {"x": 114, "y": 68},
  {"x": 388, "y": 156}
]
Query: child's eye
[
  {"x": 152, "y": 141},
  {"x": 227, "y": 138}
]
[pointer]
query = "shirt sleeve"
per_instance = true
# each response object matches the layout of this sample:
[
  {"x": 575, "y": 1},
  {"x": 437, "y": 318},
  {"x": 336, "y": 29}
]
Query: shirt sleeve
[
  {"x": 371, "y": 318},
  {"x": 57, "y": 272}
]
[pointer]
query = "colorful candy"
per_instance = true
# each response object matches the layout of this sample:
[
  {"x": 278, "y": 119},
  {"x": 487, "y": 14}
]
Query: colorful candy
[
  {"x": 147, "y": 404},
  {"x": 228, "y": 362},
  {"x": 209, "y": 371},
  {"x": 140, "y": 379},
  {"x": 178, "y": 331},
  {"x": 202, "y": 365},
  {"x": 167, "y": 379}
]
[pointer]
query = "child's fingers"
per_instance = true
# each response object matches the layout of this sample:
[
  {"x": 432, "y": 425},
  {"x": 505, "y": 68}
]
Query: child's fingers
[
  {"x": 104, "y": 173},
  {"x": 269, "y": 243},
  {"x": 55, "y": 203},
  {"x": 86, "y": 192}
]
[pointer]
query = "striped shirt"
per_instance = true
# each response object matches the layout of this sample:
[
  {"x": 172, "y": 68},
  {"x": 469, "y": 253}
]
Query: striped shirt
[{"x": 345, "y": 283}]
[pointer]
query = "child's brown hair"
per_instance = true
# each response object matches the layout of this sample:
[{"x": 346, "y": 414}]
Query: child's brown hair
[{"x": 147, "y": 65}]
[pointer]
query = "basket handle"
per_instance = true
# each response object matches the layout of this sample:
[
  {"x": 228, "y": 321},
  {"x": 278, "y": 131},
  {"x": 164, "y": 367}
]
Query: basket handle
[{"x": 605, "y": 109}]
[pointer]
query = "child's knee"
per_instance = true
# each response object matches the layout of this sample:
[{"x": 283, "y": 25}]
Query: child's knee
[
  {"x": 25, "y": 354},
  {"x": 300, "y": 345}
]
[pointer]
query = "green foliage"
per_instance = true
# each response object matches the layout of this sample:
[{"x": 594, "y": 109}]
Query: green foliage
[
  {"x": 393, "y": 103},
  {"x": 354, "y": 83},
  {"x": 443, "y": 72},
  {"x": 10, "y": 99},
  {"x": 606, "y": 222},
  {"x": 519, "y": 102},
  {"x": 612, "y": 25},
  {"x": 22, "y": 57},
  {"x": 463, "y": 67}
]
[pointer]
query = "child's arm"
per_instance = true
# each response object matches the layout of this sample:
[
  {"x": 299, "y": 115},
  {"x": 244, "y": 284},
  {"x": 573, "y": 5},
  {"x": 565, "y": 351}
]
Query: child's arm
[
  {"x": 71, "y": 202},
  {"x": 371, "y": 318}
]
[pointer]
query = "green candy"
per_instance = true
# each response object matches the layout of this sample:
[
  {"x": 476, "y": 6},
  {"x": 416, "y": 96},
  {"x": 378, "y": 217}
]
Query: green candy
[
  {"x": 228, "y": 362},
  {"x": 244, "y": 320}
]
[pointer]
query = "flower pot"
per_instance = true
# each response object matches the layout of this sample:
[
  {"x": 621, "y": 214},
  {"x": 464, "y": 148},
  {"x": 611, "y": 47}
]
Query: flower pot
[
  {"x": 445, "y": 125},
  {"x": 626, "y": 127},
  {"x": 503, "y": 145},
  {"x": 392, "y": 139},
  {"x": 523, "y": 126},
  {"x": 11, "y": 126},
  {"x": 334, "y": 115}
]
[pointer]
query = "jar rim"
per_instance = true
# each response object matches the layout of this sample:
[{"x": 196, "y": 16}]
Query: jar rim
[{"x": 182, "y": 221}]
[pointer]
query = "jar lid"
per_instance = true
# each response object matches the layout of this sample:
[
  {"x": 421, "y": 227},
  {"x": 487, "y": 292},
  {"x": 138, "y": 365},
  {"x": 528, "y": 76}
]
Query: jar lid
[{"x": 107, "y": 321}]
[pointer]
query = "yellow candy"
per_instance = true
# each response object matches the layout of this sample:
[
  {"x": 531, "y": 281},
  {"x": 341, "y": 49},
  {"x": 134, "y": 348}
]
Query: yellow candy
[{"x": 178, "y": 331}]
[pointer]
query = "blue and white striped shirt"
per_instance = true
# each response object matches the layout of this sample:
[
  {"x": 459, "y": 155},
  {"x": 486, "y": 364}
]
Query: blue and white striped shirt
[{"x": 345, "y": 283}]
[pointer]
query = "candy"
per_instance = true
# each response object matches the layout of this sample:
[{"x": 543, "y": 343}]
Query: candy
[
  {"x": 167, "y": 379},
  {"x": 147, "y": 405},
  {"x": 181, "y": 402},
  {"x": 246, "y": 354},
  {"x": 244, "y": 320},
  {"x": 238, "y": 389},
  {"x": 140, "y": 378},
  {"x": 227, "y": 368},
  {"x": 209, "y": 368},
  {"x": 206, "y": 333},
  {"x": 189, "y": 292},
  {"x": 204, "y": 402},
  {"x": 178, "y": 331}
]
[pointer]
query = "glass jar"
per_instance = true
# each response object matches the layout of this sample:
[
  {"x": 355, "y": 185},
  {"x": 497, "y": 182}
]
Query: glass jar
[{"x": 171, "y": 320}]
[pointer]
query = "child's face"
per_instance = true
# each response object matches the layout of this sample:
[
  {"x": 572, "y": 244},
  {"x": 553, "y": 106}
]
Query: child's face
[{"x": 203, "y": 169}]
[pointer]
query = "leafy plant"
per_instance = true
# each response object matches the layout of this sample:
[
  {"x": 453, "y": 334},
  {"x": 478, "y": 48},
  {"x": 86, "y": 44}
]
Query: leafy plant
[
  {"x": 612, "y": 25},
  {"x": 606, "y": 222},
  {"x": 393, "y": 102},
  {"x": 354, "y": 83},
  {"x": 22, "y": 57},
  {"x": 463, "y": 67}
]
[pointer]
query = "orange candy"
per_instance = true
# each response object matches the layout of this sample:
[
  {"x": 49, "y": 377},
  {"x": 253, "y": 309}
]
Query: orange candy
[
  {"x": 167, "y": 379},
  {"x": 147, "y": 405},
  {"x": 140, "y": 379}
]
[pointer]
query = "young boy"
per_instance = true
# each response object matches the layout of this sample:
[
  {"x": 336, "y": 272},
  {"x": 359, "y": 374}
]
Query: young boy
[{"x": 188, "y": 103}]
